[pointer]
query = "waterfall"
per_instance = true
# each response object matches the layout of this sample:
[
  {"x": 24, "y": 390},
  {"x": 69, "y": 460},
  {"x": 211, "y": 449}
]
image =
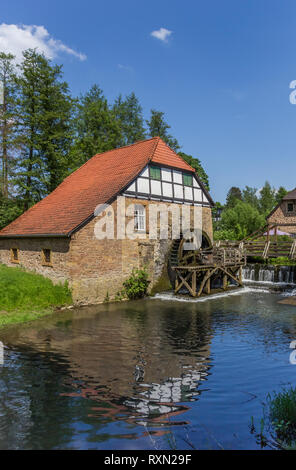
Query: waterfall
[{"x": 270, "y": 273}]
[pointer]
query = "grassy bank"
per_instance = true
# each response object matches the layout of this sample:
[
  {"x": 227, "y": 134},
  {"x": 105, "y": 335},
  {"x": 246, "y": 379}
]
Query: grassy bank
[{"x": 26, "y": 296}]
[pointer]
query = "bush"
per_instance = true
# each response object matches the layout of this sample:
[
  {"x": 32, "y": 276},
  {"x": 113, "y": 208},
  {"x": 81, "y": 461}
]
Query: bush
[
  {"x": 239, "y": 221},
  {"x": 135, "y": 287}
]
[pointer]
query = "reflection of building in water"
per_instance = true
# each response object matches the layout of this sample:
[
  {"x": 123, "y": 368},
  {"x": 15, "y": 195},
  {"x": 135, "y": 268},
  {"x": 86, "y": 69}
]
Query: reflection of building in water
[
  {"x": 166, "y": 397},
  {"x": 104, "y": 346}
]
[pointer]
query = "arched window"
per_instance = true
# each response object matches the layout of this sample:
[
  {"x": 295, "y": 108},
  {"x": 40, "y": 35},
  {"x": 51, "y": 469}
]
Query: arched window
[{"x": 140, "y": 217}]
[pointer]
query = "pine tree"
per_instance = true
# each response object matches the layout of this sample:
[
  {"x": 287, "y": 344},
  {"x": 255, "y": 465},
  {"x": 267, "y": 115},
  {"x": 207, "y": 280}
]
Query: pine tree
[
  {"x": 129, "y": 114},
  {"x": 157, "y": 126},
  {"x": 44, "y": 110},
  {"x": 55, "y": 126},
  {"x": 233, "y": 195},
  {"x": 267, "y": 199},
  {"x": 96, "y": 127},
  {"x": 281, "y": 192},
  {"x": 7, "y": 119}
]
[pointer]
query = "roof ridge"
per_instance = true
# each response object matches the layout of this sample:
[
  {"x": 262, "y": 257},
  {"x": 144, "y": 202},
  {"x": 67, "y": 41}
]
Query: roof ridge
[
  {"x": 177, "y": 155},
  {"x": 103, "y": 153}
]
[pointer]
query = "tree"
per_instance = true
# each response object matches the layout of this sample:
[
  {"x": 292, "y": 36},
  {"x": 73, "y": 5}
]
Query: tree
[
  {"x": 96, "y": 127},
  {"x": 55, "y": 126},
  {"x": 7, "y": 118},
  {"x": 281, "y": 192},
  {"x": 267, "y": 199},
  {"x": 129, "y": 114},
  {"x": 10, "y": 209},
  {"x": 196, "y": 164},
  {"x": 44, "y": 132},
  {"x": 157, "y": 127},
  {"x": 249, "y": 195},
  {"x": 233, "y": 195},
  {"x": 241, "y": 220}
]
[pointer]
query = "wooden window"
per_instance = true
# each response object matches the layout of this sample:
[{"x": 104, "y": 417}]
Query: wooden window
[
  {"x": 14, "y": 255},
  {"x": 46, "y": 257},
  {"x": 140, "y": 218},
  {"x": 290, "y": 207},
  {"x": 155, "y": 172},
  {"x": 187, "y": 180}
]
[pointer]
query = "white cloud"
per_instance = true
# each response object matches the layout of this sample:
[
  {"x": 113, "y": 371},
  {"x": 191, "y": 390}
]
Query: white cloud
[
  {"x": 17, "y": 38},
  {"x": 128, "y": 68},
  {"x": 162, "y": 34}
]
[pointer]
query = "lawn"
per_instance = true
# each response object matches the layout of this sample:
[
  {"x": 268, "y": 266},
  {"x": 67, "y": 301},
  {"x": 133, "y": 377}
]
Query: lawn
[{"x": 26, "y": 296}]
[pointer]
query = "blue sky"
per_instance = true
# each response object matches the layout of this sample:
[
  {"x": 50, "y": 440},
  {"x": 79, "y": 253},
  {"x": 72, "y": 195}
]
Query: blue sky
[{"x": 221, "y": 76}]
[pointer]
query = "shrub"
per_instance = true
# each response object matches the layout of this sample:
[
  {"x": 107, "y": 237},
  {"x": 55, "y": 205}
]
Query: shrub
[{"x": 135, "y": 287}]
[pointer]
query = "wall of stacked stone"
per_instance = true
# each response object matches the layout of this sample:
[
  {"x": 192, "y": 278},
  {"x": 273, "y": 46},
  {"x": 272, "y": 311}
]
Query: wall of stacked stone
[
  {"x": 93, "y": 267},
  {"x": 31, "y": 259}
]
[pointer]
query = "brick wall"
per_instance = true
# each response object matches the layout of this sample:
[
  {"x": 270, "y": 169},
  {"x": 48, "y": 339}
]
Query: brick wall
[{"x": 281, "y": 215}]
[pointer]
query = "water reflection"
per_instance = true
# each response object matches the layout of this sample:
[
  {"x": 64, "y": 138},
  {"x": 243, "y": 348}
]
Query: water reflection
[
  {"x": 134, "y": 375},
  {"x": 133, "y": 366}
]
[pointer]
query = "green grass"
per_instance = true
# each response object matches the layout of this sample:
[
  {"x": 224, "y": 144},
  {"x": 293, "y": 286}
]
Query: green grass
[
  {"x": 26, "y": 296},
  {"x": 278, "y": 425}
]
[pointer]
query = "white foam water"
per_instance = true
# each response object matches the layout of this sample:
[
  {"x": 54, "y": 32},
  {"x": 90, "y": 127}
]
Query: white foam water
[{"x": 179, "y": 298}]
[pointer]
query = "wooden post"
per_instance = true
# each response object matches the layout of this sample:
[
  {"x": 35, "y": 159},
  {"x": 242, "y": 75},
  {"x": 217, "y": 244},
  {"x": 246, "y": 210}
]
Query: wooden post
[
  {"x": 208, "y": 286},
  {"x": 225, "y": 277},
  {"x": 240, "y": 276},
  {"x": 194, "y": 283}
]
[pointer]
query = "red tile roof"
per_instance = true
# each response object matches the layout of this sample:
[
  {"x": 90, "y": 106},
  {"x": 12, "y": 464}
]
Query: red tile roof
[{"x": 96, "y": 182}]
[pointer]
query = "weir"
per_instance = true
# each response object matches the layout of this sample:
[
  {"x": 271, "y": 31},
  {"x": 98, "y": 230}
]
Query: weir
[{"x": 269, "y": 273}]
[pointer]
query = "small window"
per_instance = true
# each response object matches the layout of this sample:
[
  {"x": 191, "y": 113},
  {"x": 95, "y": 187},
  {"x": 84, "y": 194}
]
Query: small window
[
  {"x": 14, "y": 254},
  {"x": 187, "y": 180},
  {"x": 290, "y": 207},
  {"x": 46, "y": 257},
  {"x": 155, "y": 172},
  {"x": 140, "y": 218}
]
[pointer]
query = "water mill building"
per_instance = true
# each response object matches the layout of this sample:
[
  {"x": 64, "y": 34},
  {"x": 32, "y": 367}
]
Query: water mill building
[{"x": 59, "y": 236}]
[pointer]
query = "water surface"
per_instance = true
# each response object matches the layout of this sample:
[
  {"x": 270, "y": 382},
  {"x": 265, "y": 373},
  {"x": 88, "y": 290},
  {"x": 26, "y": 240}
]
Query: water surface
[{"x": 152, "y": 374}]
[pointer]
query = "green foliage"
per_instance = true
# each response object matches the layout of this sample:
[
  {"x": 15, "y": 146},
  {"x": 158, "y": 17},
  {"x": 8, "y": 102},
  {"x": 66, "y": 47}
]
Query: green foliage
[
  {"x": 135, "y": 287},
  {"x": 281, "y": 192},
  {"x": 267, "y": 199},
  {"x": 25, "y": 292},
  {"x": 236, "y": 225},
  {"x": 157, "y": 126},
  {"x": 196, "y": 164},
  {"x": 129, "y": 114},
  {"x": 278, "y": 426},
  {"x": 7, "y": 120},
  {"x": 233, "y": 195},
  {"x": 10, "y": 209},
  {"x": 43, "y": 112},
  {"x": 240, "y": 221},
  {"x": 96, "y": 127}
]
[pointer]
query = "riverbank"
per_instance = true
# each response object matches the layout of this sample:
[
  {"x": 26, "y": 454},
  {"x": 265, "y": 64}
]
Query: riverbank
[{"x": 27, "y": 296}]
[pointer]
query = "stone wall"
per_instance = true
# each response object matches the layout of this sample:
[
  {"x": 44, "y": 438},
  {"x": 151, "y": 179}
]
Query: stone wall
[
  {"x": 30, "y": 256},
  {"x": 96, "y": 267},
  {"x": 281, "y": 215}
]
